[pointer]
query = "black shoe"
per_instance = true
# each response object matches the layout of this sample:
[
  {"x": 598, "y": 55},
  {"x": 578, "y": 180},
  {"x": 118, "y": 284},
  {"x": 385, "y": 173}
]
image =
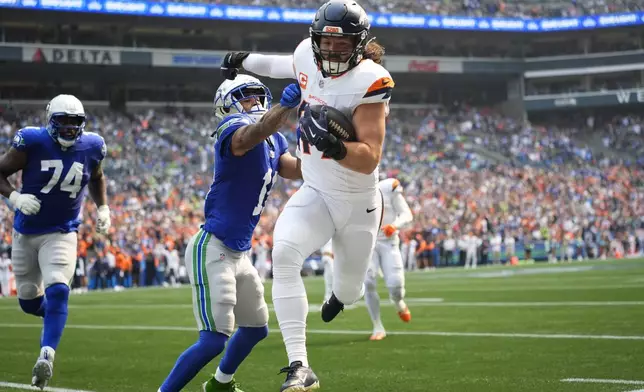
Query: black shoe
[
  {"x": 299, "y": 378},
  {"x": 331, "y": 308}
]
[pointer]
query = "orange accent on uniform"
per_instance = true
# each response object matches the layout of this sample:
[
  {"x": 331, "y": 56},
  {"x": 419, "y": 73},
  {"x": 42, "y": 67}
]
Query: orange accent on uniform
[
  {"x": 384, "y": 82},
  {"x": 395, "y": 185}
]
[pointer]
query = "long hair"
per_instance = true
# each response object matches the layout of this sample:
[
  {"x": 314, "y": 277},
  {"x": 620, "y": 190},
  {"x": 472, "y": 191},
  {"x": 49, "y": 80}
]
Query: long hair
[{"x": 374, "y": 52}]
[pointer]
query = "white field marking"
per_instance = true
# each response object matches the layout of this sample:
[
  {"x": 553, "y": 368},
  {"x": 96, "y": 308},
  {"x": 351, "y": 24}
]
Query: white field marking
[
  {"x": 348, "y": 332},
  {"x": 27, "y": 387},
  {"x": 417, "y": 302},
  {"x": 603, "y": 381},
  {"x": 535, "y": 288}
]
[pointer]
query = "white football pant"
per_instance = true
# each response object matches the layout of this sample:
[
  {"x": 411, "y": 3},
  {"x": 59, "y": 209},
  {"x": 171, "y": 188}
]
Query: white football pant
[{"x": 308, "y": 221}]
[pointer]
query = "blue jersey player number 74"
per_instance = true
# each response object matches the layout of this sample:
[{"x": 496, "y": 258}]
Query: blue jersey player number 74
[{"x": 58, "y": 162}]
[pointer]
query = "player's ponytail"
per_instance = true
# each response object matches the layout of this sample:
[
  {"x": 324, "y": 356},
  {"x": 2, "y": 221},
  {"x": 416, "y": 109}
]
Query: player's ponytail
[{"x": 374, "y": 52}]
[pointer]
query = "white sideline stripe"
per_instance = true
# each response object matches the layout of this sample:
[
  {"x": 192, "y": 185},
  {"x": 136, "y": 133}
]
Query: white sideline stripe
[
  {"x": 527, "y": 304},
  {"x": 348, "y": 332},
  {"x": 603, "y": 381},
  {"x": 27, "y": 387},
  {"x": 417, "y": 302}
]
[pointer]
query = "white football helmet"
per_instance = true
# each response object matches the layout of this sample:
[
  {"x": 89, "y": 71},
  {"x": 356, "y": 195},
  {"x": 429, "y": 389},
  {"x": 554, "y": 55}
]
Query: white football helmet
[
  {"x": 231, "y": 92},
  {"x": 65, "y": 119}
]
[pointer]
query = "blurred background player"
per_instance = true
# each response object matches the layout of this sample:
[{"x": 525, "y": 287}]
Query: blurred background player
[
  {"x": 262, "y": 249},
  {"x": 388, "y": 258},
  {"x": 57, "y": 162},
  {"x": 249, "y": 154},
  {"x": 340, "y": 65},
  {"x": 327, "y": 263}
]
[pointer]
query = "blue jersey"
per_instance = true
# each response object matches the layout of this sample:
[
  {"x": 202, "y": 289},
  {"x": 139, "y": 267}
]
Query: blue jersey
[
  {"x": 241, "y": 184},
  {"x": 57, "y": 176}
]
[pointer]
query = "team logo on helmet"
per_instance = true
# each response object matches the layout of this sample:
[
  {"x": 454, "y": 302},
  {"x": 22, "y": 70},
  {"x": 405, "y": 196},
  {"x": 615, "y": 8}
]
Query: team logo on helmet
[{"x": 332, "y": 29}]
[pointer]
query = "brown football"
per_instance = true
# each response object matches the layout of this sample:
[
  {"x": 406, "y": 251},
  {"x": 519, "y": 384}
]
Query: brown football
[{"x": 338, "y": 123}]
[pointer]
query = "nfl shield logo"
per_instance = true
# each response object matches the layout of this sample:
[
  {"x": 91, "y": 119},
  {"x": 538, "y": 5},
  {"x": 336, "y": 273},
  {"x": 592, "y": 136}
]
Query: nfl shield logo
[
  {"x": 222, "y": 256},
  {"x": 321, "y": 83}
]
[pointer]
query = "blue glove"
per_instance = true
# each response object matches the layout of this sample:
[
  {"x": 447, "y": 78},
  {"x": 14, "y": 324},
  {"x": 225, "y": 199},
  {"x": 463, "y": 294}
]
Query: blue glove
[
  {"x": 291, "y": 96},
  {"x": 314, "y": 131}
]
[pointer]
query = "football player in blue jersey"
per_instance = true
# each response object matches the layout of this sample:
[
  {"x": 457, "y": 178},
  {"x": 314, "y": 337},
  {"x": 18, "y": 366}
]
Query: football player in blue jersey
[
  {"x": 57, "y": 161},
  {"x": 226, "y": 288}
]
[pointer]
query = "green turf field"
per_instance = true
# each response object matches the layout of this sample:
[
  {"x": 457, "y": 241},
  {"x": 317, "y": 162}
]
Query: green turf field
[{"x": 493, "y": 329}]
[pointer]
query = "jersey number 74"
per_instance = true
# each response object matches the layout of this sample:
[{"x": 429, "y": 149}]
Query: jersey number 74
[{"x": 72, "y": 182}]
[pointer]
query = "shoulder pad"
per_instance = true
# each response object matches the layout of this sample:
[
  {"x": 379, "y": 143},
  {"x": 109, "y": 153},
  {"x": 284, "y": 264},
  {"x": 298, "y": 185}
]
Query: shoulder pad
[
  {"x": 375, "y": 80},
  {"x": 26, "y": 137},
  {"x": 97, "y": 142},
  {"x": 390, "y": 185},
  {"x": 238, "y": 119},
  {"x": 302, "y": 47}
]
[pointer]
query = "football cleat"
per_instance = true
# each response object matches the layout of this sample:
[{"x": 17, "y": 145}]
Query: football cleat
[
  {"x": 213, "y": 385},
  {"x": 299, "y": 378},
  {"x": 378, "y": 336},
  {"x": 43, "y": 369},
  {"x": 331, "y": 308},
  {"x": 405, "y": 315}
]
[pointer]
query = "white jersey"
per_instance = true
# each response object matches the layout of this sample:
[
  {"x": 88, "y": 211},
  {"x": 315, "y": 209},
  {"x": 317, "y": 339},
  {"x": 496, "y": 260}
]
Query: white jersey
[
  {"x": 367, "y": 83},
  {"x": 396, "y": 211}
]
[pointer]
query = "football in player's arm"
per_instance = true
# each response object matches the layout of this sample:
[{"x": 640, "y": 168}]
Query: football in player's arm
[
  {"x": 339, "y": 63},
  {"x": 363, "y": 155}
]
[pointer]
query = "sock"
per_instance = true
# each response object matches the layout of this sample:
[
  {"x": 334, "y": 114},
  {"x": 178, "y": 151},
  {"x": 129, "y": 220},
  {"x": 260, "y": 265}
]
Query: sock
[
  {"x": 290, "y": 302},
  {"x": 239, "y": 347},
  {"x": 372, "y": 299},
  {"x": 328, "y": 280},
  {"x": 223, "y": 377},
  {"x": 34, "y": 306},
  {"x": 400, "y": 305},
  {"x": 55, "y": 315},
  {"x": 396, "y": 294},
  {"x": 190, "y": 362}
]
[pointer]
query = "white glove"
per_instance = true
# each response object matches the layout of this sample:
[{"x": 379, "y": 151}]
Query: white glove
[
  {"x": 103, "y": 222},
  {"x": 25, "y": 203}
]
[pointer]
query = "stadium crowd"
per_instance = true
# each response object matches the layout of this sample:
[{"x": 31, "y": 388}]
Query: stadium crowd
[
  {"x": 494, "y": 8},
  {"x": 482, "y": 187}
]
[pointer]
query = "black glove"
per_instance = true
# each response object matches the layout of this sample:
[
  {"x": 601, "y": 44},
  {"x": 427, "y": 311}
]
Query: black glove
[
  {"x": 231, "y": 64},
  {"x": 314, "y": 131}
]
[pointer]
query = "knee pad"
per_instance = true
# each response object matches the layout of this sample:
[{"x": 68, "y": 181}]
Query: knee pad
[
  {"x": 397, "y": 293},
  {"x": 57, "y": 298},
  {"x": 212, "y": 342},
  {"x": 254, "y": 334},
  {"x": 32, "y": 306},
  {"x": 287, "y": 262},
  {"x": 28, "y": 291}
]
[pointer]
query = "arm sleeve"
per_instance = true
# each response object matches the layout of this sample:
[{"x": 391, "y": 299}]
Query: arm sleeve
[
  {"x": 272, "y": 66},
  {"x": 403, "y": 212}
]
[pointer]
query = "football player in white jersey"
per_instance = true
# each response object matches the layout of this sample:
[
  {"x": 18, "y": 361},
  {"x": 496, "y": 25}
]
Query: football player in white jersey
[
  {"x": 387, "y": 257},
  {"x": 327, "y": 262},
  {"x": 338, "y": 66}
]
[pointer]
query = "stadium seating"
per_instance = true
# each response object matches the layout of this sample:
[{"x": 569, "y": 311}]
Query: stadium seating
[{"x": 464, "y": 170}]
